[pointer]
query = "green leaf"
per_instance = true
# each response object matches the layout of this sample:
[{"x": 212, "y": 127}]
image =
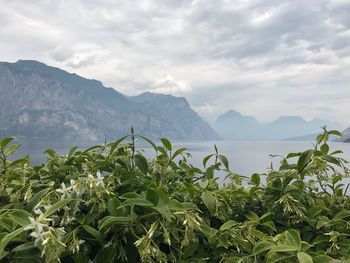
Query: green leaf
[
  {"x": 36, "y": 198},
  {"x": 5, "y": 142},
  {"x": 104, "y": 255},
  {"x": 167, "y": 144},
  {"x": 23, "y": 247},
  {"x": 332, "y": 160},
  {"x": 255, "y": 179},
  {"x": 283, "y": 248},
  {"x": 270, "y": 225},
  {"x": 209, "y": 201},
  {"x": 261, "y": 247},
  {"x": 11, "y": 149},
  {"x": 278, "y": 257},
  {"x": 6, "y": 239},
  {"x": 304, "y": 258},
  {"x": 114, "y": 220},
  {"x": 57, "y": 206},
  {"x": 136, "y": 201},
  {"x": 178, "y": 152},
  {"x": 97, "y": 235},
  {"x": 228, "y": 224},
  {"x": 292, "y": 155},
  {"x": 293, "y": 238},
  {"x": 21, "y": 217},
  {"x": 206, "y": 159},
  {"x": 336, "y": 152},
  {"x": 305, "y": 246},
  {"x": 51, "y": 152},
  {"x": 130, "y": 195},
  {"x": 304, "y": 159},
  {"x": 342, "y": 214},
  {"x": 320, "y": 239},
  {"x": 164, "y": 210},
  {"x": 71, "y": 152},
  {"x": 150, "y": 142},
  {"x": 252, "y": 216},
  {"x": 316, "y": 210},
  {"x": 152, "y": 195},
  {"x": 233, "y": 259},
  {"x": 224, "y": 161},
  {"x": 324, "y": 259},
  {"x": 319, "y": 138},
  {"x": 325, "y": 148},
  {"x": 335, "y": 132},
  {"x": 113, "y": 206},
  {"x": 141, "y": 163},
  {"x": 115, "y": 144}
]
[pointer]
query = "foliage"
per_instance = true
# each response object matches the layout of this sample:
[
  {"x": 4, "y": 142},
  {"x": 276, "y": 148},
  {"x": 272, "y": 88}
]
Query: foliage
[{"x": 110, "y": 203}]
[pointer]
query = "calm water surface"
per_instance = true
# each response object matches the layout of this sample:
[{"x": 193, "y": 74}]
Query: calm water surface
[{"x": 245, "y": 157}]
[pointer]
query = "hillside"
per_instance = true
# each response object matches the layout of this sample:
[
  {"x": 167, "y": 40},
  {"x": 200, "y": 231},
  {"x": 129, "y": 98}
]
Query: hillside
[{"x": 39, "y": 101}]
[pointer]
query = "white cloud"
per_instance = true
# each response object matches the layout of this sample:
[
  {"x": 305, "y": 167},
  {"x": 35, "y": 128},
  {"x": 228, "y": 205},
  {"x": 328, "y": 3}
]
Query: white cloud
[{"x": 265, "y": 58}]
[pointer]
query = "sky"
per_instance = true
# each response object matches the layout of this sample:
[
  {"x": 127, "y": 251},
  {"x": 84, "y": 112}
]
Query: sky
[{"x": 264, "y": 58}]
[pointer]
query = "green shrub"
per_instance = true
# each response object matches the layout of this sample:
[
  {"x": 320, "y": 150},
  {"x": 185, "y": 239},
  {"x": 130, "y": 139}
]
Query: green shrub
[{"x": 110, "y": 203}]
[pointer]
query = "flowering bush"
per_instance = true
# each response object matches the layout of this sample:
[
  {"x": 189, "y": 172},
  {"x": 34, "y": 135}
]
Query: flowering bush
[{"x": 109, "y": 203}]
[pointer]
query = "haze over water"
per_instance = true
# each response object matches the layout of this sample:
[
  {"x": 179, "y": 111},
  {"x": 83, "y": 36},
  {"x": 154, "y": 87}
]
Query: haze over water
[{"x": 245, "y": 157}]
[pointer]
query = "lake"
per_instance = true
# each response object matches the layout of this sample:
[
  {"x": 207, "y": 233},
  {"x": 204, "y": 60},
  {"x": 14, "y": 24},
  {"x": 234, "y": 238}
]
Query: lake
[{"x": 245, "y": 157}]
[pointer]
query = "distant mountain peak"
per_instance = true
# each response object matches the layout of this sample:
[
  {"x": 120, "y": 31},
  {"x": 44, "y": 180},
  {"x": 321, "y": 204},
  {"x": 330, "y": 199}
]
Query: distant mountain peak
[
  {"x": 233, "y": 125},
  {"x": 289, "y": 118},
  {"x": 29, "y": 62},
  {"x": 232, "y": 113}
]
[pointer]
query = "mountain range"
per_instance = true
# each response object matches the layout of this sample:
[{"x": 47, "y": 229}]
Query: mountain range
[
  {"x": 44, "y": 102},
  {"x": 233, "y": 125},
  {"x": 40, "y": 101}
]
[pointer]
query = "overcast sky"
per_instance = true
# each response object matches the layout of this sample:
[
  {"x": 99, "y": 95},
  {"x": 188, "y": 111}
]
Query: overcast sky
[{"x": 262, "y": 58}]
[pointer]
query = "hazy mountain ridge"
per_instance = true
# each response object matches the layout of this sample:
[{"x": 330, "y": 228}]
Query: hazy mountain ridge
[
  {"x": 233, "y": 125},
  {"x": 345, "y": 137},
  {"x": 39, "y": 101}
]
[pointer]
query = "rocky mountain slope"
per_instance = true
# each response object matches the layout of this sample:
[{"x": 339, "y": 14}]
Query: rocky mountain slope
[{"x": 39, "y": 101}]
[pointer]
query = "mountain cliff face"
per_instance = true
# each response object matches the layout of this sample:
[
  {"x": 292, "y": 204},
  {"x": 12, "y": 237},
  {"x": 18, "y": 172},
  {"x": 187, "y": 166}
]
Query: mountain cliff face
[
  {"x": 233, "y": 125},
  {"x": 38, "y": 101}
]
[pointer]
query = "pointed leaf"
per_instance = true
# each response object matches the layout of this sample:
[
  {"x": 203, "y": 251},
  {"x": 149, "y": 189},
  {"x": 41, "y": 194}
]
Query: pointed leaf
[
  {"x": 224, "y": 161},
  {"x": 97, "y": 235},
  {"x": 262, "y": 246},
  {"x": 293, "y": 238},
  {"x": 57, "y": 206},
  {"x": 166, "y": 143},
  {"x": 304, "y": 258},
  {"x": 21, "y": 217},
  {"x": 209, "y": 201},
  {"x": 227, "y": 225}
]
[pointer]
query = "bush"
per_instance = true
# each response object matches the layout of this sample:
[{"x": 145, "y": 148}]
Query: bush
[{"x": 109, "y": 203}]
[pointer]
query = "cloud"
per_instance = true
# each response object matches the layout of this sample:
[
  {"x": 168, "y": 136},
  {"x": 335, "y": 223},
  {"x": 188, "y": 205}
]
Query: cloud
[
  {"x": 265, "y": 58},
  {"x": 169, "y": 85}
]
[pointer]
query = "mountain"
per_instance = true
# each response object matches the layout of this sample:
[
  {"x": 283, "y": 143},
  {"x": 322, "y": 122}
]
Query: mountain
[
  {"x": 295, "y": 126},
  {"x": 39, "y": 101},
  {"x": 345, "y": 137},
  {"x": 233, "y": 125}
]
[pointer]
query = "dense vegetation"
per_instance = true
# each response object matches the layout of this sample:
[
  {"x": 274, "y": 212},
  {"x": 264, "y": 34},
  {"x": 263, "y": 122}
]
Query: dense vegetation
[{"x": 110, "y": 203}]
